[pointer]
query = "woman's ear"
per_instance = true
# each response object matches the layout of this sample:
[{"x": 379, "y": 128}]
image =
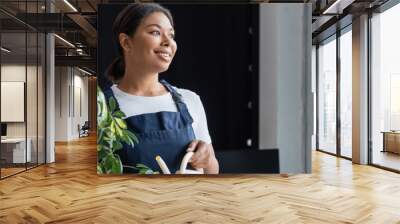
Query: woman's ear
[{"x": 124, "y": 42}]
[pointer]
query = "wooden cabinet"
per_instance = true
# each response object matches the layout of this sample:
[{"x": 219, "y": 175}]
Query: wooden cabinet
[{"x": 391, "y": 142}]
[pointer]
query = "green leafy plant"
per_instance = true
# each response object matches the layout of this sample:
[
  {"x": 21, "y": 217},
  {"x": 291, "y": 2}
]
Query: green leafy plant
[{"x": 112, "y": 132}]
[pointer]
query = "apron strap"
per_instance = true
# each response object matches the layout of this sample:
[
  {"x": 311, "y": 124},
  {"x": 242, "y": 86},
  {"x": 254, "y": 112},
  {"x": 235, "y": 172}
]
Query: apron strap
[
  {"x": 177, "y": 97},
  {"x": 109, "y": 93}
]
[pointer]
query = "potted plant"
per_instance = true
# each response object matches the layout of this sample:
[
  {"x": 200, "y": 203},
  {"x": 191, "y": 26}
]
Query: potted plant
[{"x": 112, "y": 133}]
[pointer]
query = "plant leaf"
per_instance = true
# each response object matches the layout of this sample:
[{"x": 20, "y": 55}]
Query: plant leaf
[
  {"x": 119, "y": 131},
  {"x": 101, "y": 155},
  {"x": 99, "y": 169},
  {"x": 117, "y": 145},
  {"x": 149, "y": 171},
  {"x": 121, "y": 123},
  {"x": 126, "y": 139},
  {"x": 100, "y": 135},
  {"x": 119, "y": 114},
  {"x": 112, "y": 104},
  {"x": 112, "y": 127},
  {"x": 116, "y": 166},
  {"x": 113, "y": 164},
  {"x": 131, "y": 136},
  {"x": 141, "y": 165}
]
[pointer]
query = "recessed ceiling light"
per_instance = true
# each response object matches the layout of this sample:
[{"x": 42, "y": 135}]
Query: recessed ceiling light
[
  {"x": 65, "y": 41},
  {"x": 5, "y": 50},
  {"x": 70, "y": 5},
  {"x": 329, "y": 9},
  {"x": 84, "y": 71}
]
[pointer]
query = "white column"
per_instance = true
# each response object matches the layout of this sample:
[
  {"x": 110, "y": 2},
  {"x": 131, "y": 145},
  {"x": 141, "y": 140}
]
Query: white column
[
  {"x": 50, "y": 93},
  {"x": 360, "y": 90}
]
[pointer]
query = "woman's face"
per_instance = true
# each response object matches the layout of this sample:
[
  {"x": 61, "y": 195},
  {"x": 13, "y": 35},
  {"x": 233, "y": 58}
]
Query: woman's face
[{"x": 153, "y": 43}]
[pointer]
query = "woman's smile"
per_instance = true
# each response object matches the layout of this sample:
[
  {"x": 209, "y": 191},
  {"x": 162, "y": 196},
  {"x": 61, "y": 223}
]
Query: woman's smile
[{"x": 164, "y": 55}]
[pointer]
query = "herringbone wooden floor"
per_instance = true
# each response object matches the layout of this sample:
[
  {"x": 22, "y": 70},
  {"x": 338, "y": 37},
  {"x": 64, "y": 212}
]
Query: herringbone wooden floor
[{"x": 70, "y": 191}]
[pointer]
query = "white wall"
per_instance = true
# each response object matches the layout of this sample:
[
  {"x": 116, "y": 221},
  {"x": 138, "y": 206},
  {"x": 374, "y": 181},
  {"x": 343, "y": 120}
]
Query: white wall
[
  {"x": 62, "y": 80},
  {"x": 80, "y": 85},
  {"x": 286, "y": 101},
  {"x": 70, "y": 83}
]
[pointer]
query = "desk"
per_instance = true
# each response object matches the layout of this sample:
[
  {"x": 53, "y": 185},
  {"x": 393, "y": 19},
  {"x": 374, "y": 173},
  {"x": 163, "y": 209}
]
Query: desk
[
  {"x": 391, "y": 141},
  {"x": 13, "y": 150}
]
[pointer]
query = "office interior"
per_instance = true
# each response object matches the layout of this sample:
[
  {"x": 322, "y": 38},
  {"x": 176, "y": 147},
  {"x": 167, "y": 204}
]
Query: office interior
[
  {"x": 49, "y": 77},
  {"x": 45, "y": 100},
  {"x": 335, "y": 66}
]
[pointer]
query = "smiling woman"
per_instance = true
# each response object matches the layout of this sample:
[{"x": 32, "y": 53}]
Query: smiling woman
[{"x": 167, "y": 121}]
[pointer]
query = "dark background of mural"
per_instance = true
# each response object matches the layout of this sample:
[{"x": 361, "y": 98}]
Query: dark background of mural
[{"x": 217, "y": 58}]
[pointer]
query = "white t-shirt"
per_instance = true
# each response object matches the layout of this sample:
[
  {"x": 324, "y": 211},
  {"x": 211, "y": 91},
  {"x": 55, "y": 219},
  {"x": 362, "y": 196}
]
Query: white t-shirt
[{"x": 154, "y": 104}]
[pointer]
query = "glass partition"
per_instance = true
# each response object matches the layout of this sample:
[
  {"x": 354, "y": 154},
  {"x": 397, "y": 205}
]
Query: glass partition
[
  {"x": 22, "y": 79},
  {"x": 13, "y": 95},
  {"x": 385, "y": 89},
  {"x": 31, "y": 97},
  {"x": 346, "y": 93},
  {"x": 327, "y": 95},
  {"x": 35, "y": 49}
]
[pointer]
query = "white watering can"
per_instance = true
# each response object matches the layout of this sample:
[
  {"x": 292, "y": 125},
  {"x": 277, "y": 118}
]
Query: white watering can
[{"x": 182, "y": 170}]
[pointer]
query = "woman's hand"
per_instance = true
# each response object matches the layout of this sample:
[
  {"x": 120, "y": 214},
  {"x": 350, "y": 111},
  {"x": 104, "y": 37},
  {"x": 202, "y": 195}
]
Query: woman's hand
[{"x": 203, "y": 157}]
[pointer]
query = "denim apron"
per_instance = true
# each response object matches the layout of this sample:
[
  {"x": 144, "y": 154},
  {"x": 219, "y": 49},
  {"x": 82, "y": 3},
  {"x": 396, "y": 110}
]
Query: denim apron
[{"x": 167, "y": 134}]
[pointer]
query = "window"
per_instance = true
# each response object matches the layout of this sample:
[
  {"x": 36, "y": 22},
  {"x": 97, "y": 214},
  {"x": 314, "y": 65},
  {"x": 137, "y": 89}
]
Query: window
[
  {"x": 385, "y": 88},
  {"x": 346, "y": 93},
  {"x": 327, "y": 96}
]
